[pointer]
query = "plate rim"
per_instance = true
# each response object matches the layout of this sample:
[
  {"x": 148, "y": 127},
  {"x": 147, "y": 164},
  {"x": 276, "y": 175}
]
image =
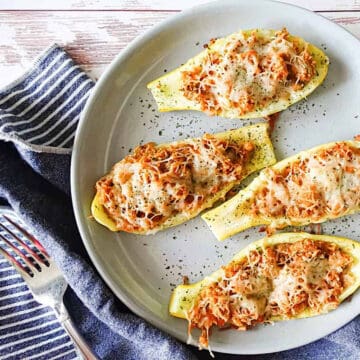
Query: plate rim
[{"x": 76, "y": 201}]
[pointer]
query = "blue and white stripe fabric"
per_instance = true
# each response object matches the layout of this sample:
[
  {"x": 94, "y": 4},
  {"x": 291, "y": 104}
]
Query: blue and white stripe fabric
[
  {"x": 40, "y": 111},
  {"x": 28, "y": 330}
]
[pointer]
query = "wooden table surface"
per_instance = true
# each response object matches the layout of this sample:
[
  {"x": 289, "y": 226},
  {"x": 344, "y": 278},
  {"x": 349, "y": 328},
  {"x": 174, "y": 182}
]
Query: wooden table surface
[{"x": 94, "y": 31}]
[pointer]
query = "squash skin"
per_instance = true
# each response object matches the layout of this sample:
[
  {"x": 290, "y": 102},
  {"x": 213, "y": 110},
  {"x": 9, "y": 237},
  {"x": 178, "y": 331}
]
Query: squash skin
[
  {"x": 168, "y": 96},
  {"x": 183, "y": 295},
  {"x": 234, "y": 215},
  {"x": 263, "y": 156}
]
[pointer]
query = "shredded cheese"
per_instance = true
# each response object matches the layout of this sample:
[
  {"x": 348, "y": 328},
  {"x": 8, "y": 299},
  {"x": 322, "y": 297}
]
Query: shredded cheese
[
  {"x": 155, "y": 183},
  {"x": 278, "y": 281},
  {"x": 248, "y": 72},
  {"x": 326, "y": 183}
]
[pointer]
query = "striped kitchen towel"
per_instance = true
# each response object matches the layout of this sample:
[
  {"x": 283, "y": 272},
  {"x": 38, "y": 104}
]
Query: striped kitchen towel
[
  {"x": 39, "y": 113},
  {"x": 28, "y": 330}
]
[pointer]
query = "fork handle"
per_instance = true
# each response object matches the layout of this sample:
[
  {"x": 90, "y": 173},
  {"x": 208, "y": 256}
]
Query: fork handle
[{"x": 74, "y": 333}]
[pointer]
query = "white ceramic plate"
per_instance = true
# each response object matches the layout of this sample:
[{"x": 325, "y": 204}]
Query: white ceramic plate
[{"x": 120, "y": 114}]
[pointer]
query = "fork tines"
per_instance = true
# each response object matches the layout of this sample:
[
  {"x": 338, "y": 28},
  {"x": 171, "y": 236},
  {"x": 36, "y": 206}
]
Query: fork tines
[{"x": 33, "y": 260}]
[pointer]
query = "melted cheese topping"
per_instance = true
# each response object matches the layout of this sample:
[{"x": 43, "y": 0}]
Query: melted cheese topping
[
  {"x": 155, "y": 183},
  {"x": 324, "y": 184},
  {"x": 279, "y": 281},
  {"x": 248, "y": 72}
]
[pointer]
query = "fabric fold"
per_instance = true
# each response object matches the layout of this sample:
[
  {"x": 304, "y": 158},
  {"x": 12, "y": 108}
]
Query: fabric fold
[{"x": 40, "y": 111}]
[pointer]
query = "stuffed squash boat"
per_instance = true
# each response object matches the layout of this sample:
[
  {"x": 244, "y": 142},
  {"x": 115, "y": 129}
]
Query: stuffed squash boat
[
  {"x": 248, "y": 74},
  {"x": 161, "y": 186},
  {"x": 285, "y": 276},
  {"x": 312, "y": 187}
]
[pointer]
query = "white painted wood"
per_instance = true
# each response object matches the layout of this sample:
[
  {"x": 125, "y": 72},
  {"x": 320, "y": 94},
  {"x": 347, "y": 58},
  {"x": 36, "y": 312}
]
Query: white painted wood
[
  {"x": 327, "y": 5},
  {"x": 92, "y": 38},
  {"x": 318, "y": 5},
  {"x": 350, "y": 21}
]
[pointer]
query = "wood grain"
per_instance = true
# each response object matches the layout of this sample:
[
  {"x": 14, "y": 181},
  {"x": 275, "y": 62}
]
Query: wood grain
[
  {"x": 318, "y": 5},
  {"x": 92, "y": 38}
]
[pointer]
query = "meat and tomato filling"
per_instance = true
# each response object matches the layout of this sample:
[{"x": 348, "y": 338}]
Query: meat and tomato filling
[
  {"x": 274, "y": 282},
  {"x": 324, "y": 184},
  {"x": 157, "y": 182},
  {"x": 249, "y": 72}
]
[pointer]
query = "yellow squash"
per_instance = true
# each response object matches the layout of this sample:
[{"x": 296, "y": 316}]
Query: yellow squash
[
  {"x": 184, "y": 296},
  {"x": 235, "y": 215},
  {"x": 168, "y": 94},
  {"x": 263, "y": 156}
]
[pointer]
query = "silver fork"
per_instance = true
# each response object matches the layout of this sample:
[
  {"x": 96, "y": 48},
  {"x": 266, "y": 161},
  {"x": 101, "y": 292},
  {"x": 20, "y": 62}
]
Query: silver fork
[{"x": 44, "y": 279}]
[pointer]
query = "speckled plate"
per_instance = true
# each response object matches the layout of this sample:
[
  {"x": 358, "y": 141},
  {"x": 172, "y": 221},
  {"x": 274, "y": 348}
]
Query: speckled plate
[{"x": 120, "y": 114}]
